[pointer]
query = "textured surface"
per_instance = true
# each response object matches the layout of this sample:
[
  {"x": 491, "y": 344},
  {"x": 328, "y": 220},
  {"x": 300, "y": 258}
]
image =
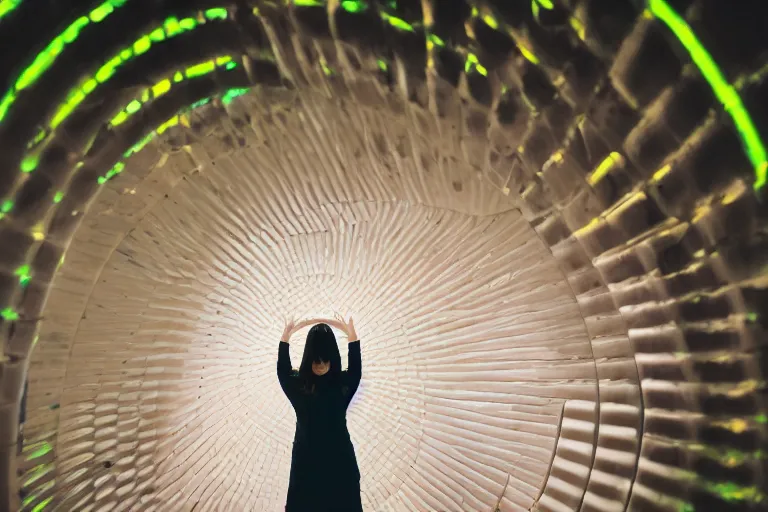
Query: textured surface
[
  {"x": 189, "y": 328},
  {"x": 551, "y": 234}
]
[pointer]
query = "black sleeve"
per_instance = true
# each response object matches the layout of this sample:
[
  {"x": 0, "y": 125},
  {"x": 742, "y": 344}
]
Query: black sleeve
[
  {"x": 355, "y": 371},
  {"x": 285, "y": 371}
]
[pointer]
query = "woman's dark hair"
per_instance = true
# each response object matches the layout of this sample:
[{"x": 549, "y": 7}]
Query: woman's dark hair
[{"x": 321, "y": 346}]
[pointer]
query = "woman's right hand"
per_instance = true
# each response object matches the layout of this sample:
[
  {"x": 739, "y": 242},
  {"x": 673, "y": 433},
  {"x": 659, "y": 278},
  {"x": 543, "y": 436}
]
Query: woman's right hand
[{"x": 290, "y": 327}]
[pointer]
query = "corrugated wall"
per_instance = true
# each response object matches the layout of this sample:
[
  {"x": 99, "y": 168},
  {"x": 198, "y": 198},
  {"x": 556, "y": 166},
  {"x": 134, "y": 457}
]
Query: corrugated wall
[{"x": 547, "y": 219}]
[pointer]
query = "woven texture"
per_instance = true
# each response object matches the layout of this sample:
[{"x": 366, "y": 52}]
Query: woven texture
[{"x": 549, "y": 230}]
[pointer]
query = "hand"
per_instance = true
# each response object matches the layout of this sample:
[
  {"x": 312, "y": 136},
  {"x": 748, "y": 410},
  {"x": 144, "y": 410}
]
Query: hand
[
  {"x": 290, "y": 327},
  {"x": 347, "y": 327}
]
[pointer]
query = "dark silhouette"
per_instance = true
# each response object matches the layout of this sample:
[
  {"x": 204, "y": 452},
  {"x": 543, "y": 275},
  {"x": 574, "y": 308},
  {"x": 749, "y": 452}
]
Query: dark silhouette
[{"x": 324, "y": 472}]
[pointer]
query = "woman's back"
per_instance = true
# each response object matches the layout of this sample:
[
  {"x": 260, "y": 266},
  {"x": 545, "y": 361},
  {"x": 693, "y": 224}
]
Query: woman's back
[
  {"x": 323, "y": 463},
  {"x": 321, "y": 413}
]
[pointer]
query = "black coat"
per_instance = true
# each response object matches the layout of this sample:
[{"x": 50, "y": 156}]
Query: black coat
[{"x": 324, "y": 472}]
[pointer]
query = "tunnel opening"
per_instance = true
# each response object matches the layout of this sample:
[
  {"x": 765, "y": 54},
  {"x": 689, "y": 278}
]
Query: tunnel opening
[{"x": 549, "y": 218}]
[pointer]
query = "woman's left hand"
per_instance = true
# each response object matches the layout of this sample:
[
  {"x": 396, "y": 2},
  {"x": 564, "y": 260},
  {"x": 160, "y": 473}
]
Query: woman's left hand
[{"x": 347, "y": 327}]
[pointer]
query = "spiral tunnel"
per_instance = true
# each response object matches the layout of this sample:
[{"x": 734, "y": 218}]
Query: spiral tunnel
[{"x": 548, "y": 219}]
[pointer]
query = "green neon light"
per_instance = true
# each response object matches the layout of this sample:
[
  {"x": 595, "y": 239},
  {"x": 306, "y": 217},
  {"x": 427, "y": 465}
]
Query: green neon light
[
  {"x": 382, "y": 65},
  {"x": 38, "y": 138},
  {"x": 491, "y": 21},
  {"x": 40, "y": 506},
  {"x": 164, "y": 86},
  {"x": 307, "y": 3},
  {"x": 487, "y": 18},
  {"x": 473, "y": 63},
  {"x": 231, "y": 94},
  {"x": 58, "y": 197},
  {"x": 175, "y": 120},
  {"x": 48, "y": 56},
  {"x": 9, "y": 315},
  {"x": 432, "y": 38},
  {"x": 218, "y": 13},
  {"x": 133, "y": 107},
  {"x": 29, "y": 164},
  {"x": 7, "y": 6},
  {"x": 139, "y": 145},
  {"x": 114, "y": 171},
  {"x": 397, "y": 22},
  {"x": 200, "y": 103},
  {"x": 724, "y": 91},
  {"x": 732, "y": 492},
  {"x": 7, "y": 206},
  {"x": 547, "y": 4},
  {"x": 171, "y": 28},
  {"x": 605, "y": 167},
  {"x": 354, "y": 6},
  {"x": 528, "y": 54},
  {"x": 45, "y": 448},
  {"x": 761, "y": 418},
  {"x": 41, "y": 489},
  {"x": 24, "y": 273}
]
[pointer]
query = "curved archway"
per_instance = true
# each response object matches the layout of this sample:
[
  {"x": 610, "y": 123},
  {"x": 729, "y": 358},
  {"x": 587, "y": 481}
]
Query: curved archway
[{"x": 549, "y": 227}]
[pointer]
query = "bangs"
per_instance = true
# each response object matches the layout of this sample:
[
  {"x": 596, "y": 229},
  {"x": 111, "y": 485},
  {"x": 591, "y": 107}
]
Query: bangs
[
  {"x": 322, "y": 350},
  {"x": 321, "y": 346}
]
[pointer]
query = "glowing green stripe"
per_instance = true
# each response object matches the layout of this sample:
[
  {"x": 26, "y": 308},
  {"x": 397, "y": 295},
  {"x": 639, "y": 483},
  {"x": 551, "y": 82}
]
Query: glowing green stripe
[
  {"x": 172, "y": 27},
  {"x": 724, "y": 91},
  {"x": 354, "y": 6},
  {"x": 46, "y": 447},
  {"x": 435, "y": 40},
  {"x": 29, "y": 164},
  {"x": 398, "y": 23},
  {"x": 40, "y": 490},
  {"x": 231, "y": 94},
  {"x": 6, "y": 6},
  {"x": 733, "y": 492},
  {"x": 606, "y": 166},
  {"x": 227, "y": 98},
  {"x": 9, "y": 315},
  {"x": 40, "y": 506},
  {"x": 47, "y": 57},
  {"x": 24, "y": 273},
  {"x": 472, "y": 62},
  {"x": 164, "y": 86},
  {"x": 217, "y": 13}
]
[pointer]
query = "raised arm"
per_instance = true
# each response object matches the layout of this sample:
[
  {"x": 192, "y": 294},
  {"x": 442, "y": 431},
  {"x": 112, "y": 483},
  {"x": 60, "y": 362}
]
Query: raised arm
[
  {"x": 355, "y": 371},
  {"x": 284, "y": 368},
  {"x": 288, "y": 382}
]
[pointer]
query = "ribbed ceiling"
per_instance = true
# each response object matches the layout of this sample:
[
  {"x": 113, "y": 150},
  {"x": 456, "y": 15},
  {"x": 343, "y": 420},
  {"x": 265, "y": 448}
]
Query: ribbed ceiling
[{"x": 550, "y": 231}]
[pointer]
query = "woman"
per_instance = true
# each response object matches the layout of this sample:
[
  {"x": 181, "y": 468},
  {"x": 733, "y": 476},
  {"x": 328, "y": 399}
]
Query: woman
[{"x": 324, "y": 472}]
